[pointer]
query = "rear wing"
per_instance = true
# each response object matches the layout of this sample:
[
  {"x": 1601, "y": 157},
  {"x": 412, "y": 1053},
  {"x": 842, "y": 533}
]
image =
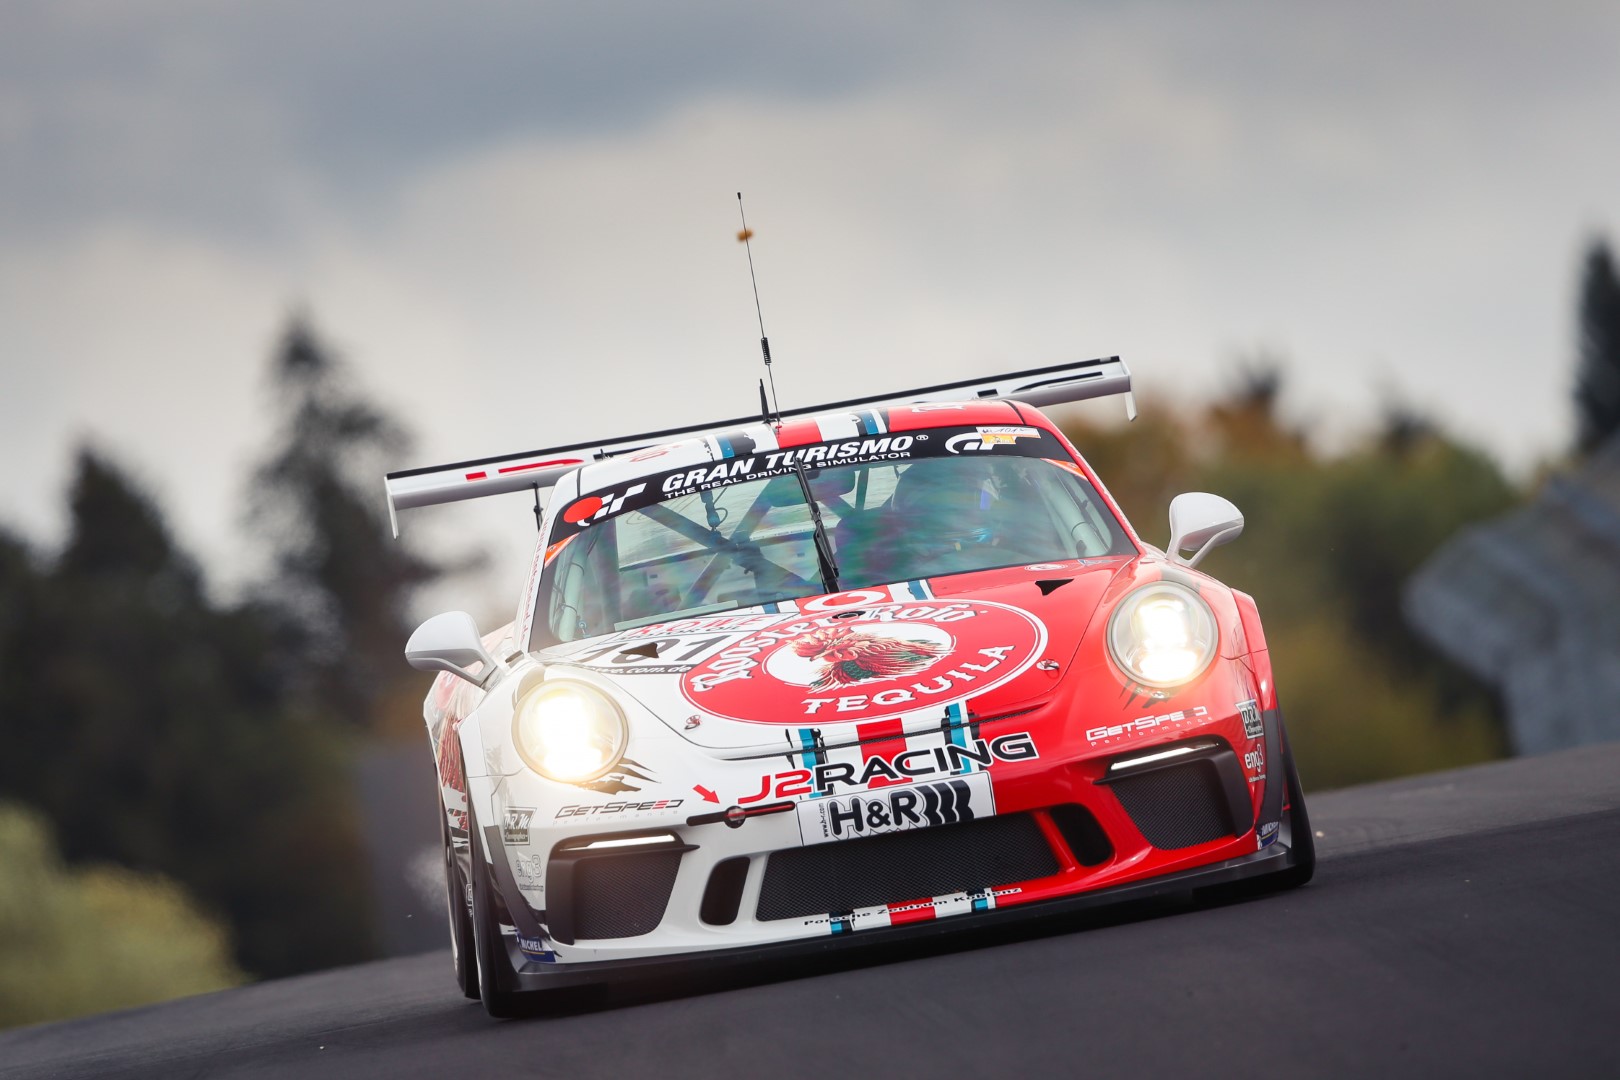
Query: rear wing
[{"x": 540, "y": 469}]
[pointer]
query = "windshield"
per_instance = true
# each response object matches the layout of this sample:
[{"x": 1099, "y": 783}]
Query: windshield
[{"x": 751, "y": 541}]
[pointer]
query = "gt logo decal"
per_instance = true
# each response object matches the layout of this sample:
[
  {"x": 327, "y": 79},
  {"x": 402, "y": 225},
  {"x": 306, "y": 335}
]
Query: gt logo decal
[
  {"x": 593, "y": 507},
  {"x": 988, "y": 438}
]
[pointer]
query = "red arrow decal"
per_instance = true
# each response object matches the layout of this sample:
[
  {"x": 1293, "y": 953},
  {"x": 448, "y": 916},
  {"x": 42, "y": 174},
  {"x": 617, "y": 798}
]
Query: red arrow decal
[{"x": 708, "y": 796}]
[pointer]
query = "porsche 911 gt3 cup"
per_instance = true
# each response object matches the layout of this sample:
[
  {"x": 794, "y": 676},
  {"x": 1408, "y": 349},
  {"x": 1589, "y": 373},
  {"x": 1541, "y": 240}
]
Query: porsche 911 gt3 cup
[{"x": 885, "y": 667}]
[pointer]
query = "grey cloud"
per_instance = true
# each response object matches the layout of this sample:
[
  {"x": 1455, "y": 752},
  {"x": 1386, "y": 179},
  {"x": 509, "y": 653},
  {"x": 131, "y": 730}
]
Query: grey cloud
[{"x": 235, "y": 116}]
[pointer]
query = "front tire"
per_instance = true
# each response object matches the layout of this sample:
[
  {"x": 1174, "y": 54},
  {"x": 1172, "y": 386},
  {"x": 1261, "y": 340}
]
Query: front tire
[
  {"x": 493, "y": 965},
  {"x": 1301, "y": 840},
  {"x": 458, "y": 899}
]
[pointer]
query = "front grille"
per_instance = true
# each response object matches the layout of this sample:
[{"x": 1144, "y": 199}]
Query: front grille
[
  {"x": 1086, "y": 839},
  {"x": 914, "y": 865},
  {"x": 1177, "y": 807},
  {"x": 723, "y": 895},
  {"x": 623, "y": 895}
]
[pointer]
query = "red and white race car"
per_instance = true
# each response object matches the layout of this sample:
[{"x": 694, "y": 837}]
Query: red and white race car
[{"x": 893, "y": 666}]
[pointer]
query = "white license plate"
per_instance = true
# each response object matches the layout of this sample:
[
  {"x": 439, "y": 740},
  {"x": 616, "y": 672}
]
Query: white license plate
[{"x": 896, "y": 809}]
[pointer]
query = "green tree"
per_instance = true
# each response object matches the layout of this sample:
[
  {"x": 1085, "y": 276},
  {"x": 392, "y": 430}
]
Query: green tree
[
  {"x": 84, "y": 940},
  {"x": 160, "y": 732},
  {"x": 1597, "y": 376},
  {"x": 343, "y": 582}
]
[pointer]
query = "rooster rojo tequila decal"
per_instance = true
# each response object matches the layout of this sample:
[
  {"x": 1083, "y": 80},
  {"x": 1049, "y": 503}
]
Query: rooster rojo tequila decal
[{"x": 865, "y": 664}]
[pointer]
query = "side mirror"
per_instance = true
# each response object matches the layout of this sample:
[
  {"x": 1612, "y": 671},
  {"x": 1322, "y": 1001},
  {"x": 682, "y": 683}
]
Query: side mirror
[
  {"x": 1201, "y": 521},
  {"x": 450, "y": 642}
]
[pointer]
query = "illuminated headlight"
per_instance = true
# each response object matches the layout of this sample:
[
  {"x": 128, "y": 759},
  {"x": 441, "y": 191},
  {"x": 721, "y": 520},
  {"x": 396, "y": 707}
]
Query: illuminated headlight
[
  {"x": 1163, "y": 634},
  {"x": 568, "y": 731}
]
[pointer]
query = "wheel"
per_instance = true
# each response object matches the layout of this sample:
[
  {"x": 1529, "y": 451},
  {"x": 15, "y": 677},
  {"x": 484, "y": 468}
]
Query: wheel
[
  {"x": 1301, "y": 840},
  {"x": 458, "y": 902},
  {"x": 1296, "y": 834},
  {"x": 494, "y": 968}
]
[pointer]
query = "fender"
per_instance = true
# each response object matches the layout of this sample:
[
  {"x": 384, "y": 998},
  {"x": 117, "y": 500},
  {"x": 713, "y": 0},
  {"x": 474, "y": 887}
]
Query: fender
[{"x": 1259, "y": 657}]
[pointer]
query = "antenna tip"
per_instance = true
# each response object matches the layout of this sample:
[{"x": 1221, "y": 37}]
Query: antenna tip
[
  {"x": 743, "y": 235},
  {"x": 739, "y": 196}
]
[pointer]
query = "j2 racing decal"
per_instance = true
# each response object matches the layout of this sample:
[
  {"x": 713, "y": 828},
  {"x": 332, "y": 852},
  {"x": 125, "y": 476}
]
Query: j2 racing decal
[
  {"x": 1147, "y": 723},
  {"x": 910, "y": 806},
  {"x": 865, "y": 664},
  {"x": 612, "y": 809},
  {"x": 951, "y": 759},
  {"x": 1253, "y": 728}
]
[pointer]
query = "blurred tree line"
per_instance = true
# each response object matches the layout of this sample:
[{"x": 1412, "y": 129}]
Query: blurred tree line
[
  {"x": 1327, "y": 541},
  {"x": 1330, "y": 537},
  {"x": 178, "y": 801},
  {"x": 203, "y": 743}
]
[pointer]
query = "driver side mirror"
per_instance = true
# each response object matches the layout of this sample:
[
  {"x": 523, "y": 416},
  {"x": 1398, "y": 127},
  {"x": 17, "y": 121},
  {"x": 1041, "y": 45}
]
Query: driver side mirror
[
  {"x": 1201, "y": 521},
  {"x": 450, "y": 642}
]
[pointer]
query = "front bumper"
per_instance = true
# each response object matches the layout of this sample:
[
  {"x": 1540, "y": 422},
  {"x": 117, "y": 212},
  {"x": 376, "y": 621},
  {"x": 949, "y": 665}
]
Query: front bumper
[
  {"x": 530, "y": 976},
  {"x": 584, "y": 937}
]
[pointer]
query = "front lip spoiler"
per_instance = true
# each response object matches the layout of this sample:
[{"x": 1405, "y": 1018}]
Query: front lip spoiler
[{"x": 1274, "y": 858}]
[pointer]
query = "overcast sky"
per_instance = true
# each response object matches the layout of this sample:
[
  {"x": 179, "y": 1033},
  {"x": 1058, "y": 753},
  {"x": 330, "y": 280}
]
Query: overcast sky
[{"x": 516, "y": 220}]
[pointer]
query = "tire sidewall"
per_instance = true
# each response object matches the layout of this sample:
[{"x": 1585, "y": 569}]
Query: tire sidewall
[
  {"x": 459, "y": 908},
  {"x": 494, "y": 968}
]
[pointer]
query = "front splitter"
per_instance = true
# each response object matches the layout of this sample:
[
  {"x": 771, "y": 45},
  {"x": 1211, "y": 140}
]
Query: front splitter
[{"x": 1275, "y": 858}]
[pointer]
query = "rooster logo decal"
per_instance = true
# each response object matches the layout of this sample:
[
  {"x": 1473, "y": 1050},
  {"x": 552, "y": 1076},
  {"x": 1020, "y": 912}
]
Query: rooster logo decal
[{"x": 851, "y": 657}]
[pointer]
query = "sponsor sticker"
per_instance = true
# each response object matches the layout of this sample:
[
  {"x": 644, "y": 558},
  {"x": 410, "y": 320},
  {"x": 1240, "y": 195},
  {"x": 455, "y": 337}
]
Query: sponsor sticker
[
  {"x": 526, "y": 870},
  {"x": 515, "y": 830},
  {"x": 896, "y": 809},
  {"x": 864, "y": 664},
  {"x": 536, "y": 949},
  {"x": 1266, "y": 834},
  {"x": 618, "y": 808},
  {"x": 916, "y": 762},
  {"x": 1253, "y": 727},
  {"x": 988, "y": 438},
  {"x": 1147, "y": 723}
]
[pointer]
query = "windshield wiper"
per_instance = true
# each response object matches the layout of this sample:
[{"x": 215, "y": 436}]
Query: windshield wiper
[{"x": 824, "y": 554}]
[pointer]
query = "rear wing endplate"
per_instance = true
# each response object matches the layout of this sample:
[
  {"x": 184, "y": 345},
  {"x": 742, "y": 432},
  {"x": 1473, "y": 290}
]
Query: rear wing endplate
[{"x": 539, "y": 469}]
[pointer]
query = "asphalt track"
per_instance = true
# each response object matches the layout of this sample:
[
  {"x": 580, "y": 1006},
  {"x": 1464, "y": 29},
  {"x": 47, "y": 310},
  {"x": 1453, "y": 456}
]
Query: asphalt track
[{"x": 1461, "y": 924}]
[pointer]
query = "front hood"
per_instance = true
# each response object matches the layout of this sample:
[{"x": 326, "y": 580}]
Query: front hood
[{"x": 832, "y": 670}]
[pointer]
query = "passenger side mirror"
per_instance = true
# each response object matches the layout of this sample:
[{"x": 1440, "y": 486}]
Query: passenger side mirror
[
  {"x": 1201, "y": 521},
  {"x": 450, "y": 642}
]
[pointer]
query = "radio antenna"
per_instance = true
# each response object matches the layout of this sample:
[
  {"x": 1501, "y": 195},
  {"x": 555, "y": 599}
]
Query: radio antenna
[{"x": 764, "y": 342}]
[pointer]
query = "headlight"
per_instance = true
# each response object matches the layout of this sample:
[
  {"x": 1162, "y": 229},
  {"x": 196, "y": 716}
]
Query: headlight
[
  {"x": 1163, "y": 634},
  {"x": 568, "y": 731}
]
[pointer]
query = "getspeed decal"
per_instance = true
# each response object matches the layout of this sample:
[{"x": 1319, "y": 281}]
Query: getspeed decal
[
  {"x": 864, "y": 664},
  {"x": 1147, "y": 723}
]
